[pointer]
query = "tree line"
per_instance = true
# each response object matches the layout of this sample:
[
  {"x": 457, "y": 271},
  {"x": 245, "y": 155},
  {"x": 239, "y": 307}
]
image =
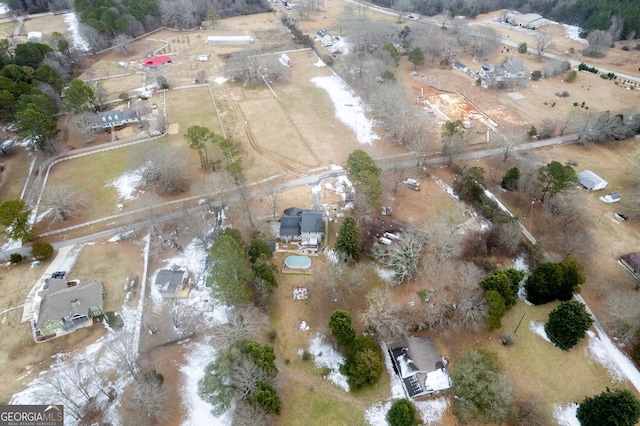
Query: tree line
[{"x": 589, "y": 15}]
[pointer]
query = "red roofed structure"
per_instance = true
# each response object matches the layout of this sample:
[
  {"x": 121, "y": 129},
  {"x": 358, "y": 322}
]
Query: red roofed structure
[{"x": 156, "y": 61}]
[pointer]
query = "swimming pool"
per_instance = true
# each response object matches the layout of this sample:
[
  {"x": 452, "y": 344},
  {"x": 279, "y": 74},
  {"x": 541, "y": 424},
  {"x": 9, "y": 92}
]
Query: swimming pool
[{"x": 298, "y": 262}]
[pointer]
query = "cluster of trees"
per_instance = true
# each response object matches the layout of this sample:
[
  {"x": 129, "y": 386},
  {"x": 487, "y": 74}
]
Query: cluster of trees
[
  {"x": 348, "y": 241},
  {"x": 363, "y": 355},
  {"x": 242, "y": 377},
  {"x": 201, "y": 139},
  {"x": 501, "y": 290},
  {"x": 240, "y": 274},
  {"x": 117, "y": 21},
  {"x": 555, "y": 281}
]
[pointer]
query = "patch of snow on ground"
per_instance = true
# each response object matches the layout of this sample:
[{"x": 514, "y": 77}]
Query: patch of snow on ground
[
  {"x": 385, "y": 273},
  {"x": 446, "y": 188},
  {"x": 332, "y": 256},
  {"x": 4, "y": 9},
  {"x": 199, "y": 412},
  {"x": 573, "y": 32},
  {"x": 315, "y": 189},
  {"x": 77, "y": 41},
  {"x": 126, "y": 185},
  {"x": 565, "y": 415},
  {"x": 432, "y": 410},
  {"x": 397, "y": 390},
  {"x": 377, "y": 413},
  {"x": 520, "y": 263},
  {"x": 603, "y": 357},
  {"x": 538, "y": 328},
  {"x": 221, "y": 80},
  {"x": 320, "y": 63},
  {"x": 336, "y": 167},
  {"x": 350, "y": 108},
  {"x": 325, "y": 356}
]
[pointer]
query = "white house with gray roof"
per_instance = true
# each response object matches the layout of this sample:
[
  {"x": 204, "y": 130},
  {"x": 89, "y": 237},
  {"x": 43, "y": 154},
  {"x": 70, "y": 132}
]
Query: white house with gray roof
[{"x": 114, "y": 118}]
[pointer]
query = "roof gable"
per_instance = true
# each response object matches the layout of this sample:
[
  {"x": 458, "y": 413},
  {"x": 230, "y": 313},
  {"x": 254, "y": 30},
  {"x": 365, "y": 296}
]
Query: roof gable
[
  {"x": 58, "y": 303},
  {"x": 311, "y": 221}
]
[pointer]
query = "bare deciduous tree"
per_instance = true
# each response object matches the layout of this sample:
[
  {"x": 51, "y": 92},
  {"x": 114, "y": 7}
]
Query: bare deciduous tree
[
  {"x": 622, "y": 315},
  {"x": 149, "y": 397},
  {"x": 244, "y": 321},
  {"x": 599, "y": 42},
  {"x": 531, "y": 411},
  {"x": 510, "y": 143},
  {"x": 452, "y": 146},
  {"x": 81, "y": 123},
  {"x": 165, "y": 170},
  {"x": 543, "y": 43},
  {"x": 383, "y": 318},
  {"x": 123, "y": 43},
  {"x": 63, "y": 202},
  {"x": 403, "y": 255}
]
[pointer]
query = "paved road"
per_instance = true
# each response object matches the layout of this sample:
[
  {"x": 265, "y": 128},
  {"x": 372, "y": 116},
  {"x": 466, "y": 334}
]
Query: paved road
[{"x": 262, "y": 188}]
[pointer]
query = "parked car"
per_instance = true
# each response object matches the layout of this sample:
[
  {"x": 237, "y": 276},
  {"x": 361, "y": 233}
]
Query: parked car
[
  {"x": 622, "y": 216},
  {"x": 59, "y": 274}
]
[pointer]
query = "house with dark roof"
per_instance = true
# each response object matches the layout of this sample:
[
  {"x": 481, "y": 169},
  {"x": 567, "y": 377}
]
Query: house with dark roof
[
  {"x": 421, "y": 368},
  {"x": 299, "y": 224},
  {"x": 114, "y": 118},
  {"x": 169, "y": 281},
  {"x": 67, "y": 305},
  {"x": 631, "y": 262}
]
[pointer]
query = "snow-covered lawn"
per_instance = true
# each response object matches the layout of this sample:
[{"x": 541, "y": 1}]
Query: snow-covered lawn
[
  {"x": 77, "y": 41},
  {"x": 324, "y": 356},
  {"x": 565, "y": 415},
  {"x": 199, "y": 411},
  {"x": 538, "y": 328},
  {"x": 127, "y": 185},
  {"x": 349, "y": 108}
]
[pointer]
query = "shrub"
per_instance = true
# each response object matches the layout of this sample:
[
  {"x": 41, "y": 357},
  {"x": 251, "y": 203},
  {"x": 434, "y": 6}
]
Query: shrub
[
  {"x": 625, "y": 48},
  {"x": 15, "y": 258},
  {"x": 41, "y": 250},
  {"x": 497, "y": 309},
  {"x": 510, "y": 179},
  {"x": 114, "y": 320},
  {"x": 567, "y": 324},
  {"x": 306, "y": 356},
  {"x": 522, "y": 47},
  {"x": 533, "y": 131},
  {"x": 403, "y": 413},
  {"x": 571, "y": 75},
  {"x": 536, "y": 75}
]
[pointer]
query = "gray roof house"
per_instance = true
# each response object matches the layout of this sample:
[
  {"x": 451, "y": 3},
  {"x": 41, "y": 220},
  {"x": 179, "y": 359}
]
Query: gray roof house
[
  {"x": 591, "y": 181},
  {"x": 420, "y": 366},
  {"x": 67, "y": 305},
  {"x": 168, "y": 281},
  {"x": 512, "y": 69},
  {"x": 114, "y": 118},
  {"x": 298, "y": 224}
]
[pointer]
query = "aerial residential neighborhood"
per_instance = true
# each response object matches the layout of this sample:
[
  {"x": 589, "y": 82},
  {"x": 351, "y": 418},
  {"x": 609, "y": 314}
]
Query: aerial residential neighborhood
[{"x": 320, "y": 213}]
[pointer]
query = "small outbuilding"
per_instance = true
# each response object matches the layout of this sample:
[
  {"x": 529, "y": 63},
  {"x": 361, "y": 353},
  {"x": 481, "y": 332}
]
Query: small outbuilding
[
  {"x": 229, "y": 40},
  {"x": 591, "y": 181},
  {"x": 156, "y": 61},
  {"x": 611, "y": 198},
  {"x": 34, "y": 37},
  {"x": 631, "y": 262}
]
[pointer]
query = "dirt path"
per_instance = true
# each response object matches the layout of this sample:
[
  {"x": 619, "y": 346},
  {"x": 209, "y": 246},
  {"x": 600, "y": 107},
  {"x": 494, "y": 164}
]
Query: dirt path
[{"x": 254, "y": 142}]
